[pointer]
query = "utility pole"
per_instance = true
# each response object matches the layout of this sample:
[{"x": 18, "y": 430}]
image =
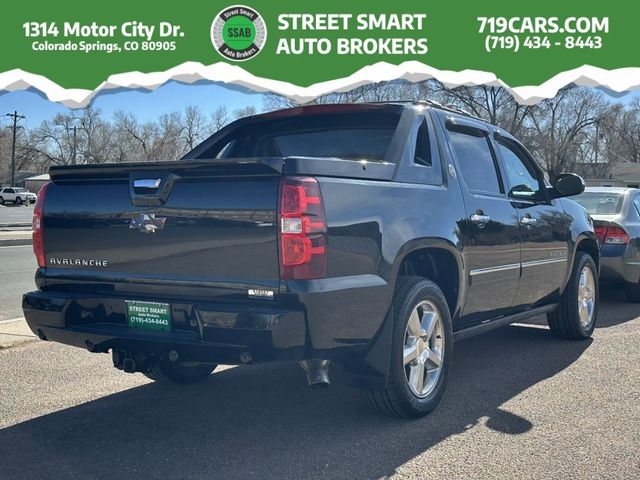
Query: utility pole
[
  {"x": 597, "y": 145},
  {"x": 75, "y": 143},
  {"x": 15, "y": 118}
]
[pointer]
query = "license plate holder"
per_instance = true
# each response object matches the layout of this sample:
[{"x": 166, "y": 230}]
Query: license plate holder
[{"x": 153, "y": 316}]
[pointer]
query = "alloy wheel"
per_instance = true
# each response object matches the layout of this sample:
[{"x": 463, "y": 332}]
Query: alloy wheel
[
  {"x": 423, "y": 350},
  {"x": 586, "y": 297}
]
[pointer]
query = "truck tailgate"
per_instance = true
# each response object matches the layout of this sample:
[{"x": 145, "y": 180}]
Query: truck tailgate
[{"x": 209, "y": 223}]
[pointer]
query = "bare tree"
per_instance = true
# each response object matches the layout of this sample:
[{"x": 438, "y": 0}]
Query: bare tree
[
  {"x": 492, "y": 103},
  {"x": 194, "y": 126},
  {"x": 558, "y": 127},
  {"x": 576, "y": 130},
  {"x": 219, "y": 118},
  {"x": 244, "y": 112},
  {"x": 623, "y": 127}
]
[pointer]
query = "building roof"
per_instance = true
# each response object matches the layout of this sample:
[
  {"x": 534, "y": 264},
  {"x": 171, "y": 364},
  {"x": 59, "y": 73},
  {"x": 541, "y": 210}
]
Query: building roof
[
  {"x": 43, "y": 177},
  {"x": 608, "y": 189}
]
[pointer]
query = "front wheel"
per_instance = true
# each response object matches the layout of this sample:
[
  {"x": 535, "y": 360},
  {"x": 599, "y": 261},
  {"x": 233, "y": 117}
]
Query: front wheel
[
  {"x": 165, "y": 371},
  {"x": 421, "y": 351},
  {"x": 577, "y": 312},
  {"x": 19, "y": 201}
]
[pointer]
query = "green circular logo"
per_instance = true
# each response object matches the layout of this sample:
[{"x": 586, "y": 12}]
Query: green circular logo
[{"x": 238, "y": 33}]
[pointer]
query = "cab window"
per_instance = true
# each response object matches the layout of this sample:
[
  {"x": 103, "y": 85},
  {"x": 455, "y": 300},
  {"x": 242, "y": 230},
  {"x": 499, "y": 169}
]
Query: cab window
[{"x": 475, "y": 160}]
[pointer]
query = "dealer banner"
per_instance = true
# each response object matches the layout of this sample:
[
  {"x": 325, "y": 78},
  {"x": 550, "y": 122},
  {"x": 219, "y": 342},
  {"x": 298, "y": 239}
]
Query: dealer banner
[{"x": 70, "y": 51}]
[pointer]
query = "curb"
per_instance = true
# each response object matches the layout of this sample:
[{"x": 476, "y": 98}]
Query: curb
[
  {"x": 15, "y": 332},
  {"x": 15, "y": 225}
]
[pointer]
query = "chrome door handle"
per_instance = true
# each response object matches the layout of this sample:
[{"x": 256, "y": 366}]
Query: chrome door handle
[
  {"x": 480, "y": 218},
  {"x": 528, "y": 221},
  {"x": 147, "y": 182}
]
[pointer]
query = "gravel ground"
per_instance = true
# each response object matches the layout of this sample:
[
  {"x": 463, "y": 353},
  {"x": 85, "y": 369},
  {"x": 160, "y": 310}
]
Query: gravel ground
[{"x": 520, "y": 404}]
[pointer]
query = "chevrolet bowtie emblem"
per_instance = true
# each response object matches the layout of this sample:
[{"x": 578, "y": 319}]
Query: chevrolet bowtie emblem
[{"x": 147, "y": 223}]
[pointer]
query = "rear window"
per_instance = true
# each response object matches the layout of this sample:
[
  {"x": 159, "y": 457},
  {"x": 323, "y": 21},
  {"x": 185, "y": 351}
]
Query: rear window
[
  {"x": 352, "y": 136},
  {"x": 598, "y": 203}
]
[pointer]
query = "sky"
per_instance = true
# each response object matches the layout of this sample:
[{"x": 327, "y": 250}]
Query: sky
[
  {"x": 149, "y": 105},
  {"x": 146, "y": 105}
]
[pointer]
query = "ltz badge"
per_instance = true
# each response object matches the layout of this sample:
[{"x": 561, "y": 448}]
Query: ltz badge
[{"x": 238, "y": 33}]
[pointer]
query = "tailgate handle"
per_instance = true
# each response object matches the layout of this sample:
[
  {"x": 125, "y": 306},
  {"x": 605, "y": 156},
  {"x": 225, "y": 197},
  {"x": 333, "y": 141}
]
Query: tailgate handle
[
  {"x": 151, "y": 189},
  {"x": 151, "y": 183}
]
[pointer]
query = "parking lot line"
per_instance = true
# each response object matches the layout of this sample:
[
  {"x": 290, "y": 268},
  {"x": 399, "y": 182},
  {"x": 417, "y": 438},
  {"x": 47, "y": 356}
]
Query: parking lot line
[{"x": 11, "y": 320}]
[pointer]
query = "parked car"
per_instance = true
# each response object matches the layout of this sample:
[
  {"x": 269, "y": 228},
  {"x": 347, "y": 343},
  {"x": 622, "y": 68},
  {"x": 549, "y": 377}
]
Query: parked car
[
  {"x": 372, "y": 235},
  {"x": 17, "y": 195},
  {"x": 616, "y": 216}
]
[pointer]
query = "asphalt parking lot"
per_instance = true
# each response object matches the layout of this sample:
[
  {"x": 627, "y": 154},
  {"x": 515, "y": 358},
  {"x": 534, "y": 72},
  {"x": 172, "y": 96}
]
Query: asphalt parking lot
[
  {"x": 15, "y": 214},
  {"x": 520, "y": 404}
]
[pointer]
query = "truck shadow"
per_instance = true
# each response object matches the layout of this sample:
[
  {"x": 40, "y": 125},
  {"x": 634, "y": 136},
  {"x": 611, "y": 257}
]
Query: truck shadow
[
  {"x": 614, "y": 307},
  {"x": 263, "y": 422}
]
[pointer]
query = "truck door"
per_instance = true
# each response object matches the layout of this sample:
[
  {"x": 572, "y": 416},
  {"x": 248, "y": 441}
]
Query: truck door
[
  {"x": 490, "y": 229},
  {"x": 544, "y": 226}
]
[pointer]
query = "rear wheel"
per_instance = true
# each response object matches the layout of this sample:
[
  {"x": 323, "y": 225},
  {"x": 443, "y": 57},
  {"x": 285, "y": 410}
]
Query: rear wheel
[
  {"x": 632, "y": 291},
  {"x": 1, "y": 201},
  {"x": 577, "y": 312},
  {"x": 168, "y": 372},
  {"x": 421, "y": 351}
]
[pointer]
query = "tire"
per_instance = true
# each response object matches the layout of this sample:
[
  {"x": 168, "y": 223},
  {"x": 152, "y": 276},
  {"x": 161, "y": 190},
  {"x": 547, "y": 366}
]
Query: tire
[
  {"x": 632, "y": 291},
  {"x": 1, "y": 201},
  {"x": 19, "y": 200},
  {"x": 566, "y": 321},
  {"x": 171, "y": 373},
  {"x": 399, "y": 399}
]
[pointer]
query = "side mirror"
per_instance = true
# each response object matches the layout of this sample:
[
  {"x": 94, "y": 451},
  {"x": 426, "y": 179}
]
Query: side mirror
[{"x": 567, "y": 185}]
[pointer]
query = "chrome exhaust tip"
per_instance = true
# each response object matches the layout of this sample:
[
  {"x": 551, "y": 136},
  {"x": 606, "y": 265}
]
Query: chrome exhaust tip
[{"x": 317, "y": 372}]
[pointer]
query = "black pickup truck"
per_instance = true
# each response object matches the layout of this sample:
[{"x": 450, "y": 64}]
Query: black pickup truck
[{"x": 370, "y": 236}]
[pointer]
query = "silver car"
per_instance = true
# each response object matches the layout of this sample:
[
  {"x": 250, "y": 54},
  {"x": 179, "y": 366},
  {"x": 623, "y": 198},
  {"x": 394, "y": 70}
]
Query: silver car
[{"x": 616, "y": 217}]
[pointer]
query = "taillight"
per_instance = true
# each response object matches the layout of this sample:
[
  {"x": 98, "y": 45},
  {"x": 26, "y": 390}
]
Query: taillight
[
  {"x": 303, "y": 230},
  {"x": 612, "y": 235},
  {"x": 38, "y": 227},
  {"x": 616, "y": 236},
  {"x": 601, "y": 233}
]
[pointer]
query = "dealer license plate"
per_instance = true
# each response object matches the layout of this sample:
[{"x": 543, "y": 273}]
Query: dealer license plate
[{"x": 149, "y": 315}]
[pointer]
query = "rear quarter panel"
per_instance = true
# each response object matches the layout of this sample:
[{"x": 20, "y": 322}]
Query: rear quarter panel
[
  {"x": 581, "y": 230},
  {"x": 372, "y": 225}
]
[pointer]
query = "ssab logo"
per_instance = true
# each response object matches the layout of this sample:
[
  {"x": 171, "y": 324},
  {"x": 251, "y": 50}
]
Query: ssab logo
[{"x": 238, "y": 33}]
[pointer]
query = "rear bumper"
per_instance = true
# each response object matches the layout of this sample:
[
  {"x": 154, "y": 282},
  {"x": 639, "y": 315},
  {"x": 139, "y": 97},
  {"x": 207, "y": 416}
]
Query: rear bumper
[
  {"x": 620, "y": 268},
  {"x": 202, "y": 332}
]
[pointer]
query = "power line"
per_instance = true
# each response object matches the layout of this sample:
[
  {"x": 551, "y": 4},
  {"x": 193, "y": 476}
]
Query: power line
[{"x": 15, "y": 117}]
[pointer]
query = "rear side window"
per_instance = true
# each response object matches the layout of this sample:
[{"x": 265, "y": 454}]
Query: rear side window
[
  {"x": 475, "y": 161},
  {"x": 362, "y": 135},
  {"x": 422, "y": 155}
]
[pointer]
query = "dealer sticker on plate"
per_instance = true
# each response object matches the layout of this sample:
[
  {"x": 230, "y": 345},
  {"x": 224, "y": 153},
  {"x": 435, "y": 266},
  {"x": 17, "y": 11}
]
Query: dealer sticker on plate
[{"x": 149, "y": 315}]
